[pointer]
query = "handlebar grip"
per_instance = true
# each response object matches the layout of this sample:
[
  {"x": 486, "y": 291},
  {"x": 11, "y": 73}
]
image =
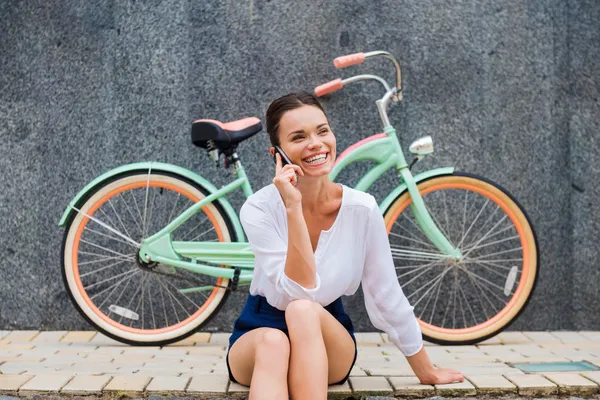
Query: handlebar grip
[
  {"x": 329, "y": 87},
  {"x": 350, "y": 59}
]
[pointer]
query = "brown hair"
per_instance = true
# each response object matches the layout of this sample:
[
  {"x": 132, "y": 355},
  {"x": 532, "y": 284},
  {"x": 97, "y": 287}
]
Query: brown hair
[{"x": 286, "y": 103}]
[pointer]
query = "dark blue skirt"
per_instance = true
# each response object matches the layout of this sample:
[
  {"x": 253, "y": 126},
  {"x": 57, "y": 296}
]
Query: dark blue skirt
[{"x": 258, "y": 313}]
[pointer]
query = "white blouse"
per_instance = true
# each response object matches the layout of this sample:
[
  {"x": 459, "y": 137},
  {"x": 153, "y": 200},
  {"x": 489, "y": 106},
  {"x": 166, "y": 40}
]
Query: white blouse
[{"x": 355, "y": 249}]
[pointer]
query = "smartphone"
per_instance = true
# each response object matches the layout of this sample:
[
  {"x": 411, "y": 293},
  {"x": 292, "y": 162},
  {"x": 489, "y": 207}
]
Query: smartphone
[{"x": 284, "y": 159}]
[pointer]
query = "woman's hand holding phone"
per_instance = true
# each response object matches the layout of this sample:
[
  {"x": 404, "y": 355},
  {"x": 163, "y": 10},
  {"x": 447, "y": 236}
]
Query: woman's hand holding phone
[{"x": 285, "y": 181}]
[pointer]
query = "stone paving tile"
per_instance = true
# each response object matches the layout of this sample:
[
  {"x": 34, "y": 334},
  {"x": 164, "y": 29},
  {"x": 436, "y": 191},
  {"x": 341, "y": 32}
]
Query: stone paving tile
[
  {"x": 103, "y": 340},
  {"x": 208, "y": 351},
  {"x": 20, "y": 359},
  {"x": 542, "y": 337},
  {"x": 356, "y": 371},
  {"x": 208, "y": 384},
  {"x": 199, "y": 337},
  {"x": 456, "y": 389},
  {"x": 12, "y": 383},
  {"x": 149, "y": 351},
  {"x": 533, "y": 385},
  {"x": 491, "y": 384},
  {"x": 221, "y": 339},
  {"x": 410, "y": 386},
  {"x": 491, "y": 341},
  {"x": 45, "y": 383},
  {"x": 21, "y": 336},
  {"x": 132, "y": 359},
  {"x": 236, "y": 388},
  {"x": 368, "y": 337},
  {"x": 572, "y": 383},
  {"x": 372, "y": 385},
  {"x": 171, "y": 385},
  {"x": 12, "y": 370},
  {"x": 127, "y": 384},
  {"x": 85, "y": 385},
  {"x": 592, "y": 335},
  {"x": 594, "y": 376},
  {"x": 339, "y": 389},
  {"x": 513, "y": 338},
  {"x": 569, "y": 336},
  {"x": 49, "y": 337},
  {"x": 78, "y": 336},
  {"x": 3, "y": 334},
  {"x": 15, "y": 347}
]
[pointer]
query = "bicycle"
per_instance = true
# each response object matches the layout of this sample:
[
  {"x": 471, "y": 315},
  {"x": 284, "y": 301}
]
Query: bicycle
[{"x": 170, "y": 273}]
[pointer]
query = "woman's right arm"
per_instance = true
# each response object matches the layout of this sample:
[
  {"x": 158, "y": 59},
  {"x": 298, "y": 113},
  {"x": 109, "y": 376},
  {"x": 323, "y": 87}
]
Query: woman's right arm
[
  {"x": 300, "y": 262},
  {"x": 289, "y": 266}
]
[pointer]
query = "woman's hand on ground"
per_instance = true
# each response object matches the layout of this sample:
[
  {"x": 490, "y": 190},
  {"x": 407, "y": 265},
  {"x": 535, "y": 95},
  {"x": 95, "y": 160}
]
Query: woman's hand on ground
[
  {"x": 440, "y": 376},
  {"x": 285, "y": 181}
]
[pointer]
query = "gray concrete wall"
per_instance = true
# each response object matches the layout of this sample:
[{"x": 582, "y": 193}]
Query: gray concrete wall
[{"x": 507, "y": 89}]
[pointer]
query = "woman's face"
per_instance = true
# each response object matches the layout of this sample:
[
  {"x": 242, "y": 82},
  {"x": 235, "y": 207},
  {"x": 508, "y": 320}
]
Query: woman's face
[{"x": 306, "y": 138}]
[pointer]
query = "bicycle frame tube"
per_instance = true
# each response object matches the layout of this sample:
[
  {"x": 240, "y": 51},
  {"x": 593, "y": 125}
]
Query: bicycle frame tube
[
  {"x": 386, "y": 152},
  {"x": 159, "y": 247}
]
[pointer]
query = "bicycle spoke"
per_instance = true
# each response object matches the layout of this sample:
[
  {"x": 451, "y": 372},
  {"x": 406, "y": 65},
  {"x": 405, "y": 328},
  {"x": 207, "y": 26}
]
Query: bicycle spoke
[
  {"x": 107, "y": 258},
  {"x": 483, "y": 238},
  {"x": 128, "y": 280},
  {"x": 148, "y": 230},
  {"x": 203, "y": 233},
  {"x": 473, "y": 223},
  {"x": 495, "y": 254},
  {"x": 510, "y": 227},
  {"x": 413, "y": 239},
  {"x": 87, "y": 228},
  {"x": 109, "y": 279},
  {"x": 103, "y": 268},
  {"x": 106, "y": 249},
  {"x": 418, "y": 269},
  {"x": 418, "y": 228},
  {"x": 192, "y": 230},
  {"x": 114, "y": 286},
  {"x": 134, "y": 219},
  {"x": 485, "y": 223},
  {"x": 146, "y": 206},
  {"x": 173, "y": 296},
  {"x": 439, "y": 225},
  {"x": 119, "y": 218},
  {"x": 468, "y": 248},
  {"x": 107, "y": 227},
  {"x": 432, "y": 283}
]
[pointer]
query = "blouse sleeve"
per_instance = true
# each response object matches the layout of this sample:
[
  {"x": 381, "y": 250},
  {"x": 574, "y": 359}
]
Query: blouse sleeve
[
  {"x": 270, "y": 252},
  {"x": 387, "y": 306}
]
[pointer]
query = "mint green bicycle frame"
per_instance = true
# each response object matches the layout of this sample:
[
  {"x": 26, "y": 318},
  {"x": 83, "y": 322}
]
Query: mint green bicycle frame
[{"x": 385, "y": 151}]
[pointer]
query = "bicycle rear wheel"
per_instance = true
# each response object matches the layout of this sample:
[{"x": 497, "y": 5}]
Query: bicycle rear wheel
[
  {"x": 121, "y": 296},
  {"x": 472, "y": 299}
]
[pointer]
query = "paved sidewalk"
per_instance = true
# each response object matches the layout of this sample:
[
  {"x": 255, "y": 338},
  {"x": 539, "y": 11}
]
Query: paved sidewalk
[{"x": 88, "y": 363}]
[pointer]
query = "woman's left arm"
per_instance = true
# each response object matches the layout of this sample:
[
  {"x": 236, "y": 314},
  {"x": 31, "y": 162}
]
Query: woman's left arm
[{"x": 388, "y": 307}]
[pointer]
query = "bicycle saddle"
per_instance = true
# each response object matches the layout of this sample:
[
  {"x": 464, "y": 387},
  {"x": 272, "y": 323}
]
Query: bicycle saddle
[{"x": 224, "y": 135}]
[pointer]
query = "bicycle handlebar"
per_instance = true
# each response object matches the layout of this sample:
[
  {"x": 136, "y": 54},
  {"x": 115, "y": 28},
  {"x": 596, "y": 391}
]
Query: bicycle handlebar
[
  {"x": 329, "y": 87},
  {"x": 350, "y": 59}
]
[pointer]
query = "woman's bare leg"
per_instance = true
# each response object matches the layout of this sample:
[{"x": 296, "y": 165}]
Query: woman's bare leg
[
  {"x": 322, "y": 350},
  {"x": 260, "y": 359}
]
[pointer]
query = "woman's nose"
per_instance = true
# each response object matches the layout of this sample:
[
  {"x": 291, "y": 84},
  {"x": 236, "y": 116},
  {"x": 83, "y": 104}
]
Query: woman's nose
[{"x": 315, "y": 143}]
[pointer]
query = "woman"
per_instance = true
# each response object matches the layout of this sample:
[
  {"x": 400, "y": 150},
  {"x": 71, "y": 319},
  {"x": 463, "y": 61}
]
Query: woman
[{"x": 314, "y": 241}]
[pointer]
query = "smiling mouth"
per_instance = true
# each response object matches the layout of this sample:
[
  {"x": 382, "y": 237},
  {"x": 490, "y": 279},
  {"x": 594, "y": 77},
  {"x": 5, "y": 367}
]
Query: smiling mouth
[{"x": 317, "y": 160}]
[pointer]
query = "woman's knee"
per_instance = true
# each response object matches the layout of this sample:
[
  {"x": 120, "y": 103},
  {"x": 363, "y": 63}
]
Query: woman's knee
[
  {"x": 273, "y": 343},
  {"x": 303, "y": 310}
]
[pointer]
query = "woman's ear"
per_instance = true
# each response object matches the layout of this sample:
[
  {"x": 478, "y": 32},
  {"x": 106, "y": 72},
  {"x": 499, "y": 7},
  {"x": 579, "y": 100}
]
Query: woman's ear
[{"x": 272, "y": 151}]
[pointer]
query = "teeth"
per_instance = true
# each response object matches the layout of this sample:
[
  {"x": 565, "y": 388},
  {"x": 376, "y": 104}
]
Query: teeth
[{"x": 314, "y": 159}]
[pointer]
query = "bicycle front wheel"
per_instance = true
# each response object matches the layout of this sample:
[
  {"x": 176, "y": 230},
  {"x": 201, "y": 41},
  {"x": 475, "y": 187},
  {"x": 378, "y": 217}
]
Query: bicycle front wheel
[
  {"x": 468, "y": 300},
  {"x": 121, "y": 296}
]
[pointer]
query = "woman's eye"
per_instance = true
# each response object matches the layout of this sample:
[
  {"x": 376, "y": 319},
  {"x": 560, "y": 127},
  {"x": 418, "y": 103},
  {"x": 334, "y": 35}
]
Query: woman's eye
[
  {"x": 324, "y": 131},
  {"x": 297, "y": 137}
]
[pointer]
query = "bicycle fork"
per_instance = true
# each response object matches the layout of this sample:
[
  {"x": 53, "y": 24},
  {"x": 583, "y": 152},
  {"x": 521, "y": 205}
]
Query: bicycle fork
[{"x": 422, "y": 216}]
